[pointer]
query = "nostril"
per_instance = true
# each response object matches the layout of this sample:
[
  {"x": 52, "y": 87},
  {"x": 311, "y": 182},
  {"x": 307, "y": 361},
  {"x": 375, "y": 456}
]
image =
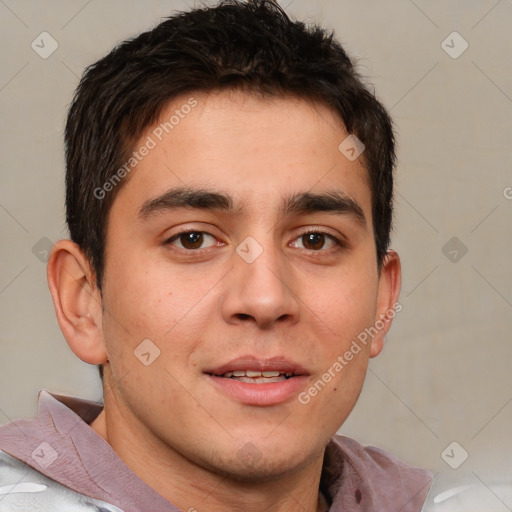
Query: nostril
[{"x": 243, "y": 316}]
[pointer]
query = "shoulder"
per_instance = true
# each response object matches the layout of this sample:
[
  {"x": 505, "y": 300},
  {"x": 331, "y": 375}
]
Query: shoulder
[
  {"x": 376, "y": 459},
  {"x": 387, "y": 482},
  {"x": 24, "y": 488}
]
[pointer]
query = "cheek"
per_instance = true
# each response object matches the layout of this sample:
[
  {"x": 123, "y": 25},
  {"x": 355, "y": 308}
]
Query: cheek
[
  {"x": 343, "y": 307},
  {"x": 151, "y": 300}
]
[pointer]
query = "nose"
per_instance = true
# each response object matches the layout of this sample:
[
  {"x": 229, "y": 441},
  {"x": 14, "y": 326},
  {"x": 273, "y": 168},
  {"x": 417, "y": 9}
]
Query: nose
[{"x": 260, "y": 291}]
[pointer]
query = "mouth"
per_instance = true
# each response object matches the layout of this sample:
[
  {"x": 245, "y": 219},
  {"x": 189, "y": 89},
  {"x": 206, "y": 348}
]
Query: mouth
[{"x": 258, "y": 382}]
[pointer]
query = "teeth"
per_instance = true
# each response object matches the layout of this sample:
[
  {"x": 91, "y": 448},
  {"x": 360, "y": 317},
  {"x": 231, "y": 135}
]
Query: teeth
[
  {"x": 261, "y": 380},
  {"x": 256, "y": 374},
  {"x": 270, "y": 374}
]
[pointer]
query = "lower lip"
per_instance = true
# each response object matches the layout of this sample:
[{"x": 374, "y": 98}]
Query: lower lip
[{"x": 272, "y": 393}]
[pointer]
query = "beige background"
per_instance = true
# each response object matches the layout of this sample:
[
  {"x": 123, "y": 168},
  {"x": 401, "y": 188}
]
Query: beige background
[{"x": 446, "y": 372}]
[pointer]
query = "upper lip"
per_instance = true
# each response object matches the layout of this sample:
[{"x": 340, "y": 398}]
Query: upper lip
[{"x": 252, "y": 363}]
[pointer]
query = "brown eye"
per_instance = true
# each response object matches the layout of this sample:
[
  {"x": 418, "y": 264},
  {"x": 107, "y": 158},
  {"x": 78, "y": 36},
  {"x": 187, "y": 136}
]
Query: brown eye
[
  {"x": 313, "y": 241},
  {"x": 191, "y": 240}
]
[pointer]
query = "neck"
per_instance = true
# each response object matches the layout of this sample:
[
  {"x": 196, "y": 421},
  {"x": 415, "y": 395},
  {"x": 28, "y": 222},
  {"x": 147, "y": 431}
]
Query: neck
[{"x": 193, "y": 487}]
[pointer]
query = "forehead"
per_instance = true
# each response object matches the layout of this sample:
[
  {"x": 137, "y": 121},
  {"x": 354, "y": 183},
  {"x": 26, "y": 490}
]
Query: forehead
[{"x": 256, "y": 149}]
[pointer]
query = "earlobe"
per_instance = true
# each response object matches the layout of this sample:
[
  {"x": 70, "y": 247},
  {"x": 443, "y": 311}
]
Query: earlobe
[
  {"x": 77, "y": 301},
  {"x": 390, "y": 282}
]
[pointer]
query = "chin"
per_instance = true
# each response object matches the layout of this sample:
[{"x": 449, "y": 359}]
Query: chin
[{"x": 251, "y": 465}]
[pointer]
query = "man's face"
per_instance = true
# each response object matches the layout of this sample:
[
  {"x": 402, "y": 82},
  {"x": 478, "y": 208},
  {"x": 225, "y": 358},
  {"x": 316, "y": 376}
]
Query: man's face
[{"x": 271, "y": 267}]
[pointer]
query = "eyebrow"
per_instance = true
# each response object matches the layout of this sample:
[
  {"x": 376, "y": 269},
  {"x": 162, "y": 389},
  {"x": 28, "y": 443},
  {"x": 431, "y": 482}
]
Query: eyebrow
[
  {"x": 298, "y": 204},
  {"x": 186, "y": 198},
  {"x": 330, "y": 202}
]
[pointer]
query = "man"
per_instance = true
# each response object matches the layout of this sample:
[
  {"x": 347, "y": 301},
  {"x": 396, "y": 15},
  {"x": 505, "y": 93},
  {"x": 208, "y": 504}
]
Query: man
[{"x": 229, "y": 200}]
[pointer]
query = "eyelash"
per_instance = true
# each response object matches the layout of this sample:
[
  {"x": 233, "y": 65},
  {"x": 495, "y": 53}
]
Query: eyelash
[{"x": 338, "y": 243}]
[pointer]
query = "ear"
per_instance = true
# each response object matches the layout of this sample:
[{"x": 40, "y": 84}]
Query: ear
[
  {"x": 77, "y": 301},
  {"x": 390, "y": 282}
]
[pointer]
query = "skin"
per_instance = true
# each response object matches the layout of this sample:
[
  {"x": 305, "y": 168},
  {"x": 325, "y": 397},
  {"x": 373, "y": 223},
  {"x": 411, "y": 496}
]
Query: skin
[{"x": 202, "y": 308}]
